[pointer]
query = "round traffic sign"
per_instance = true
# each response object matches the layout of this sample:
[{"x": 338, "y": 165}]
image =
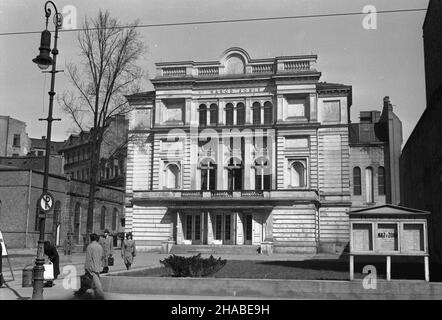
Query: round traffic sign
[{"x": 46, "y": 202}]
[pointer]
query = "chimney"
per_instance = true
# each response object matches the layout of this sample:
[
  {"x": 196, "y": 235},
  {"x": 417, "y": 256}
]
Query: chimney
[{"x": 387, "y": 103}]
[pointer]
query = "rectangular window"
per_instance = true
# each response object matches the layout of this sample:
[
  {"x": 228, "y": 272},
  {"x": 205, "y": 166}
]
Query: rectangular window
[
  {"x": 413, "y": 238},
  {"x": 362, "y": 237},
  {"x": 227, "y": 223},
  {"x": 257, "y": 115},
  {"x": 387, "y": 237},
  {"x": 332, "y": 111},
  {"x": 16, "y": 142},
  {"x": 357, "y": 189},
  {"x": 218, "y": 226},
  {"x": 381, "y": 181},
  {"x": 197, "y": 219},
  {"x": 188, "y": 227}
]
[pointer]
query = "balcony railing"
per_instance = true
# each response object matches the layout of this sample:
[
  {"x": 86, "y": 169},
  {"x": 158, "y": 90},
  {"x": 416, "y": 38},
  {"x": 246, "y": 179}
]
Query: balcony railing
[
  {"x": 297, "y": 66},
  {"x": 194, "y": 195},
  {"x": 208, "y": 71},
  {"x": 262, "y": 68},
  {"x": 174, "y": 72}
]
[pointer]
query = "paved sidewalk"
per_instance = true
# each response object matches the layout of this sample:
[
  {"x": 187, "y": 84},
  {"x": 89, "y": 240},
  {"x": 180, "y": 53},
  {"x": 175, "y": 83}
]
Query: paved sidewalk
[{"x": 71, "y": 268}]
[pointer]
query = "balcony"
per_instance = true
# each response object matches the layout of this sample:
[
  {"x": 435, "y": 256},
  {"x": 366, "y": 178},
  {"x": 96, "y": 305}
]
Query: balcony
[{"x": 175, "y": 196}]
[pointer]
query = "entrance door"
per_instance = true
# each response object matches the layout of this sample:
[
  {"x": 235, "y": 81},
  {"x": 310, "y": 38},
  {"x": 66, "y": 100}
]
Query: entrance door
[
  {"x": 223, "y": 228},
  {"x": 248, "y": 229},
  {"x": 193, "y": 228}
]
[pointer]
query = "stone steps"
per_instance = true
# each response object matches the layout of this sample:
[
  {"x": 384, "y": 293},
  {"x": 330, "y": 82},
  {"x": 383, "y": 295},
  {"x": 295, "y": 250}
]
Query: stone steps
[{"x": 215, "y": 249}]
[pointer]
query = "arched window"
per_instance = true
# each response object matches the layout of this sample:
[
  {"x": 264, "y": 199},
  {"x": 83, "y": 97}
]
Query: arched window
[
  {"x": 381, "y": 181},
  {"x": 357, "y": 189},
  {"x": 268, "y": 113},
  {"x": 262, "y": 174},
  {"x": 114, "y": 219},
  {"x": 202, "y": 115},
  {"x": 103, "y": 218},
  {"x": 172, "y": 176},
  {"x": 240, "y": 113},
  {"x": 77, "y": 221},
  {"x": 297, "y": 175},
  {"x": 369, "y": 184},
  {"x": 229, "y": 114},
  {"x": 208, "y": 175},
  {"x": 235, "y": 174},
  {"x": 256, "y": 107},
  {"x": 213, "y": 114}
]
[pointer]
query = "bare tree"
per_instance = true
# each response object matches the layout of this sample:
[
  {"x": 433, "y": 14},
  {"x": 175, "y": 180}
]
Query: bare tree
[{"x": 107, "y": 71}]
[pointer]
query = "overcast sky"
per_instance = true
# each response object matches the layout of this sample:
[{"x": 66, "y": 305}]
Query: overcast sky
[{"x": 386, "y": 61}]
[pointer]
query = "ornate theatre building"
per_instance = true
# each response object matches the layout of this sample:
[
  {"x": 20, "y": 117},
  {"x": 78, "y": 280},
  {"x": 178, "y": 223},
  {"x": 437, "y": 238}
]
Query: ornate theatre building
[{"x": 240, "y": 152}]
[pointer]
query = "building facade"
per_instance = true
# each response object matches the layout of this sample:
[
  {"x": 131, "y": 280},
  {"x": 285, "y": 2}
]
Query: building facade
[
  {"x": 375, "y": 149},
  {"x": 77, "y": 151},
  {"x": 14, "y": 140},
  {"x": 240, "y": 152},
  {"x": 19, "y": 192},
  {"x": 421, "y": 160}
]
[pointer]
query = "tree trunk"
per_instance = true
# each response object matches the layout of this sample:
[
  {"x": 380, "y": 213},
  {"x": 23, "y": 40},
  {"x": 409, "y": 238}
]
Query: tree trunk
[{"x": 94, "y": 170}]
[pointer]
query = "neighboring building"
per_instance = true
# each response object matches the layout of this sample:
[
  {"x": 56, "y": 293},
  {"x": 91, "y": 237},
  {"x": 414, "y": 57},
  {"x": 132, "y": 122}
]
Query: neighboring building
[
  {"x": 421, "y": 160},
  {"x": 14, "y": 141},
  {"x": 38, "y": 147},
  {"x": 77, "y": 150},
  {"x": 240, "y": 152},
  {"x": 375, "y": 148},
  {"x": 36, "y": 163},
  {"x": 19, "y": 192}
]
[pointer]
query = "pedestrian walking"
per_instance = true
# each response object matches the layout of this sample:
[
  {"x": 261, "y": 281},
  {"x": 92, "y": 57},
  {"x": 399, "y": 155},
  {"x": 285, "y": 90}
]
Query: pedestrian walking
[
  {"x": 92, "y": 267},
  {"x": 107, "y": 243},
  {"x": 128, "y": 250},
  {"x": 51, "y": 251}
]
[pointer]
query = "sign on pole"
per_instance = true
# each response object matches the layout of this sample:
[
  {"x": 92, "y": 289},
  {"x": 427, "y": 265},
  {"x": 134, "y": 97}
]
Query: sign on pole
[{"x": 46, "y": 202}]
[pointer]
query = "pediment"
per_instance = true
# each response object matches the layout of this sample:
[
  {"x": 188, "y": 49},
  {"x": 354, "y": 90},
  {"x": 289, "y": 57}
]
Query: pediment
[{"x": 388, "y": 209}]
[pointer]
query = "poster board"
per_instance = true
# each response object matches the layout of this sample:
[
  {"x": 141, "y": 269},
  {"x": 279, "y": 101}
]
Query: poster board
[{"x": 2, "y": 242}]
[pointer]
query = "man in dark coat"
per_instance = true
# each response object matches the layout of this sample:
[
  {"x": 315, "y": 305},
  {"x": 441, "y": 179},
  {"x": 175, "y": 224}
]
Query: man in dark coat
[
  {"x": 51, "y": 252},
  {"x": 106, "y": 241}
]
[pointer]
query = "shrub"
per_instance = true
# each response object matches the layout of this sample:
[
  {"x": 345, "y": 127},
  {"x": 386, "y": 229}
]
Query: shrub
[{"x": 194, "y": 266}]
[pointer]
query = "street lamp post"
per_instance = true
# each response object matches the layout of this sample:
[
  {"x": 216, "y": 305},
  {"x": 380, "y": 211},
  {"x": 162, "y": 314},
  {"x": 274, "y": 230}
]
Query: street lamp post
[{"x": 44, "y": 60}]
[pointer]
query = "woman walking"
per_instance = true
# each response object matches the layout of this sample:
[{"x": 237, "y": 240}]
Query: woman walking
[
  {"x": 51, "y": 252},
  {"x": 128, "y": 251}
]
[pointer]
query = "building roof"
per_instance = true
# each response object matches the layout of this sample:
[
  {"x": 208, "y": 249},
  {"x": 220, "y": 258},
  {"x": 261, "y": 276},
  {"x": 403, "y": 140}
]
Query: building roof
[
  {"x": 387, "y": 209},
  {"x": 41, "y": 144}
]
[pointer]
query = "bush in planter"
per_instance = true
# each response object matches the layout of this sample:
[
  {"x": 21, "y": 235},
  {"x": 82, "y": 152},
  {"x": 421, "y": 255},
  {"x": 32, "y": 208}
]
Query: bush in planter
[{"x": 194, "y": 266}]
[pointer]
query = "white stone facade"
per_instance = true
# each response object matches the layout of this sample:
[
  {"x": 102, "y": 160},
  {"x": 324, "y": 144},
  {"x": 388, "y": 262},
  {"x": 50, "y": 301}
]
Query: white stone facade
[{"x": 240, "y": 152}]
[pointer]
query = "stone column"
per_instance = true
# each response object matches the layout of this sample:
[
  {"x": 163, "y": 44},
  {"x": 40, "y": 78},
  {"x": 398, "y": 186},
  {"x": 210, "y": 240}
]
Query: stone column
[
  {"x": 280, "y": 108},
  {"x": 247, "y": 163},
  {"x": 209, "y": 228},
  {"x": 179, "y": 226},
  {"x": 220, "y": 181},
  {"x": 313, "y": 108},
  {"x": 188, "y": 111},
  {"x": 249, "y": 111},
  {"x": 239, "y": 229},
  {"x": 235, "y": 113},
  {"x": 221, "y": 112}
]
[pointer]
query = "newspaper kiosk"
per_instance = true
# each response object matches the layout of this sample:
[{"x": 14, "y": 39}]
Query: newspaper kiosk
[{"x": 389, "y": 231}]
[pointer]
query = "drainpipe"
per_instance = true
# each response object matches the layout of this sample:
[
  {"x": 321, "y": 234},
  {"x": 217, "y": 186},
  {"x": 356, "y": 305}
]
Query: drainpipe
[
  {"x": 319, "y": 186},
  {"x": 29, "y": 207}
]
